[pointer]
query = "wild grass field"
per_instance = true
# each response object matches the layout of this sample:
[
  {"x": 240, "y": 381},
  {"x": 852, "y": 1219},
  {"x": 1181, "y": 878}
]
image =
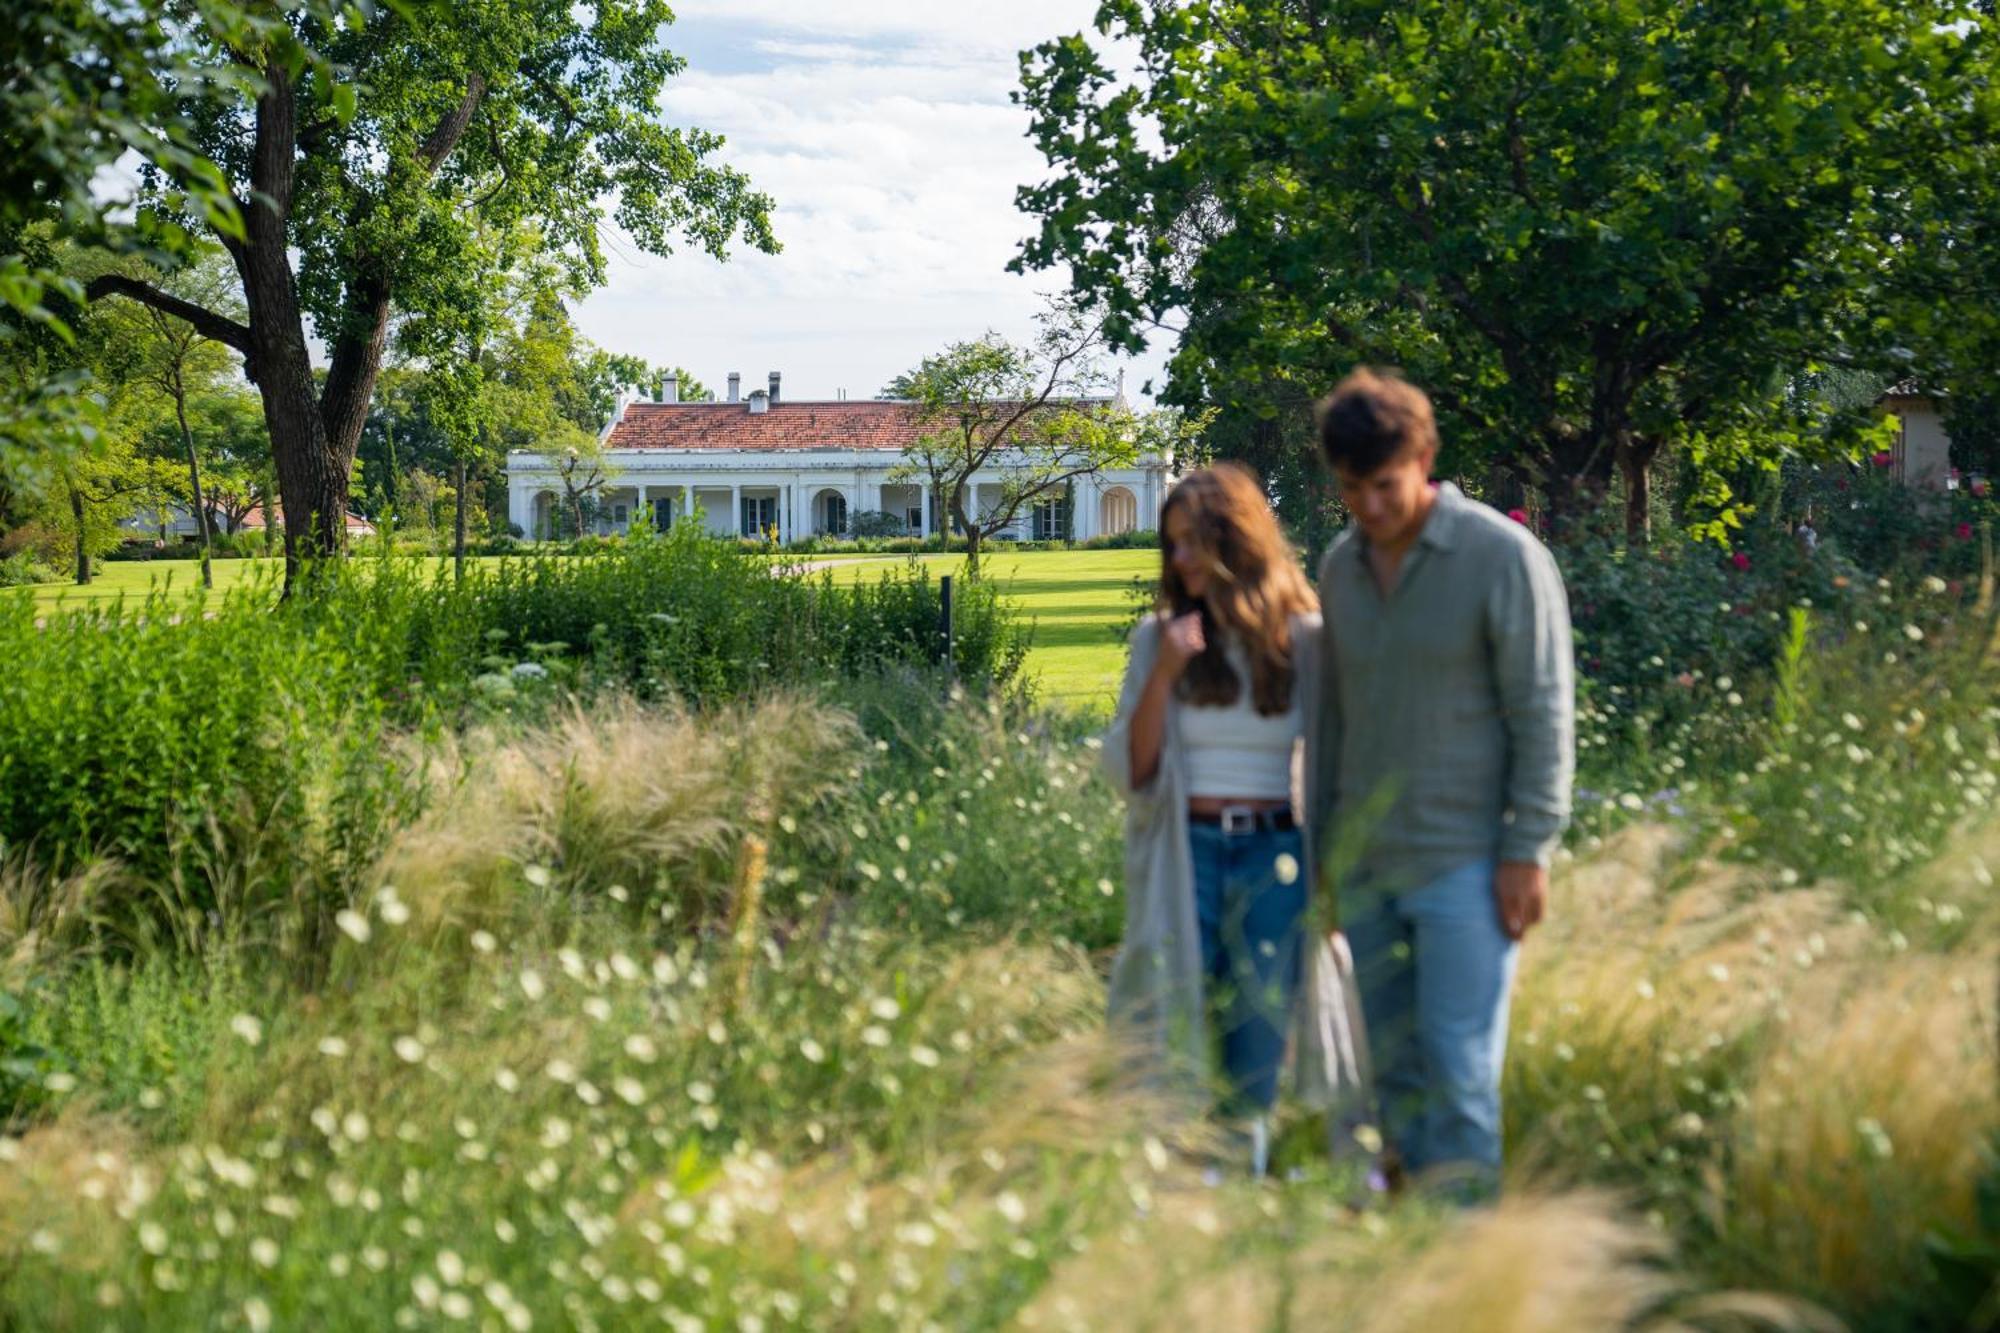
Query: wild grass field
[{"x": 524, "y": 956}]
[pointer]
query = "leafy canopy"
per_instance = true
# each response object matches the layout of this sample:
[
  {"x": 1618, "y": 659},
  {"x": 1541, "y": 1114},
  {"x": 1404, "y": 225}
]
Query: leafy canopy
[{"x": 1598, "y": 230}]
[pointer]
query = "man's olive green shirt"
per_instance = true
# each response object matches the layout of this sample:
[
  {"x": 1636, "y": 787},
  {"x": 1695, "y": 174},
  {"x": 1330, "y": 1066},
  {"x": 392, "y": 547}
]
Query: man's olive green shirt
[{"x": 1447, "y": 729}]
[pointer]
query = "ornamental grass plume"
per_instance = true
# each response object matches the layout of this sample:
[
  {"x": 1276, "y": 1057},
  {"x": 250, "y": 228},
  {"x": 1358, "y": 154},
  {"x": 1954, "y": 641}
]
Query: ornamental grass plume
[
  {"x": 45, "y": 915},
  {"x": 746, "y": 915},
  {"x": 1863, "y": 1134},
  {"x": 1531, "y": 1265},
  {"x": 652, "y": 801}
]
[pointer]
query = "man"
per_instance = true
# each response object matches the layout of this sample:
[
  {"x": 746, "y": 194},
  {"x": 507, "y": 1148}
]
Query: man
[{"x": 1444, "y": 759}]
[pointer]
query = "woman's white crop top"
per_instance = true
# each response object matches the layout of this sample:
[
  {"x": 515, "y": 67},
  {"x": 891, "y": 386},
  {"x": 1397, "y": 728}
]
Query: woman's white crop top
[{"x": 1235, "y": 751}]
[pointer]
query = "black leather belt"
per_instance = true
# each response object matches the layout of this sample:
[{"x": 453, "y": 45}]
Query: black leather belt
[{"x": 1247, "y": 819}]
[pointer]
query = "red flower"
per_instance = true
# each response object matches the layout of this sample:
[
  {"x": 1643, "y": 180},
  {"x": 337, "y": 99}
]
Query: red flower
[
  {"x": 1978, "y": 488},
  {"x": 1963, "y": 532},
  {"x": 1883, "y": 458},
  {"x": 1955, "y": 587},
  {"x": 1740, "y": 560},
  {"x": 1519, "y": 516}
]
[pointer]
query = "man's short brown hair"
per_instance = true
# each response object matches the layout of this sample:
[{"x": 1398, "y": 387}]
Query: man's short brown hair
[{"x": 1372, "y": 417}]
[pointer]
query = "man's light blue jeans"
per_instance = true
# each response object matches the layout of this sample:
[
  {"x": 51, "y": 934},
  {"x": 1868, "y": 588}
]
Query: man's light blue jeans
[{"x": 1435, "y": 972}]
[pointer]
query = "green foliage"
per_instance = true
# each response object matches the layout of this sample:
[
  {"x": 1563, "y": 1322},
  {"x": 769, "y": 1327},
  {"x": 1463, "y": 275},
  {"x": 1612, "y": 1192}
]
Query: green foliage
[
  {"x": 26, "y": 1066},
  {"x": 1601, "y": 233},
  {"x": 23, "y": 568},
  {"x": 1024, "y": 414},
  {"x": 958, "y": 788},
  {"x": 247, "y": 759}
]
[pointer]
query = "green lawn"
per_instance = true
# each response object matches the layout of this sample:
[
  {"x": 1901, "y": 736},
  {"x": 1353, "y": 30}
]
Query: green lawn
[
  {"x": 1079, "y": 602},
  {"x": 134, "y": 579}
]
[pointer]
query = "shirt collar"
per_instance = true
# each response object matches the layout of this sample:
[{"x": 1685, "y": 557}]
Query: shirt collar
[{"x": 1440, "y": 525}]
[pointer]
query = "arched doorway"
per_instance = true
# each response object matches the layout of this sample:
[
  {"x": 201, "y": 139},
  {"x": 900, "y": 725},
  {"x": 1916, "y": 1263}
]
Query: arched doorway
[
  {"x": 1117, "y": 512},
  {"x": 547, "y": 514},
  {"x": 830, "y": 512}
]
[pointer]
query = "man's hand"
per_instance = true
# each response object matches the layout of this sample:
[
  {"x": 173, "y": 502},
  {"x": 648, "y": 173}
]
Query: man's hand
[{"x": 1521, "y": 894}]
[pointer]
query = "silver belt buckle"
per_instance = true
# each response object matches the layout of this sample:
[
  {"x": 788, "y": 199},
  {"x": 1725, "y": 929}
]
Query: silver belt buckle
[{"x": 1237, "y": 819}]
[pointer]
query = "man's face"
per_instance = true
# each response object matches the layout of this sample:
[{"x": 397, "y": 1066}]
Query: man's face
[{"x": 1391, "y": 501}]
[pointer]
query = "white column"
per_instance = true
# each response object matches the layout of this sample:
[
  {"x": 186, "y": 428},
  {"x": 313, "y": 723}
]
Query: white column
[
  {"x": 924, "y": 507},
  {"x": 736, "y": 509}
]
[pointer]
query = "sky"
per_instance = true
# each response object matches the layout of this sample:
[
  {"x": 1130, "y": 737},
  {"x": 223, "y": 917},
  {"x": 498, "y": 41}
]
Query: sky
[{"x": 883, "y": 131}]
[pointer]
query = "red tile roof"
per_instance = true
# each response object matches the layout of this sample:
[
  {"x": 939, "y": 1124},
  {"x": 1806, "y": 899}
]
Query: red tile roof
[{"x": 860, "y": 424}]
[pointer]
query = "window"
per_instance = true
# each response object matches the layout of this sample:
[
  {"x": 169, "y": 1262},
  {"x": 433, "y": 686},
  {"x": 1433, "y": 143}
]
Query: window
[
  {"x": 663, "y": 513},
  {"x": 760, "y": 514},
  {"x": 618, "y": 515},
  {"x": 913, "y": 518},
  {"x": 1051, "y": 521}
]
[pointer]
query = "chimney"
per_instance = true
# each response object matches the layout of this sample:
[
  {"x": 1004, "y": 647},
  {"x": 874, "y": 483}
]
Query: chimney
[
  {"x": 735, "y": 385},
  {"x": 759, "y": 401},
  {"x": 673, "y": 393},
  {"x": 774, "y": 386}
]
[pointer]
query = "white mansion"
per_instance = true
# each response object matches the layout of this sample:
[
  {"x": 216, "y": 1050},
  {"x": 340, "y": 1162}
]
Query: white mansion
[{"x": 757, "y": 464}]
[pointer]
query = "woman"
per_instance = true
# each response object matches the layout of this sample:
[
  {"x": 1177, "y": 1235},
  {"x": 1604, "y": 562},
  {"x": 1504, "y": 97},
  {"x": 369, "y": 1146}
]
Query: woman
[{"x": 1217, "y": 703}]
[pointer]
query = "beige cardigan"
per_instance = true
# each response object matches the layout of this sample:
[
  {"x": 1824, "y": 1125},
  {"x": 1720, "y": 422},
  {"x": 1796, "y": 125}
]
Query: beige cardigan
[{"x": 1155, "y": 1003}]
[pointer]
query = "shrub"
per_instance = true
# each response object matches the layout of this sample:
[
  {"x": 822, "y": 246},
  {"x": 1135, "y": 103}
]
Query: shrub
[
  {"x": 869, "y": 523},
  {"x": 247, "y": 760},
  {"x": 1139, "y": 539},
  {"x": 24, "y": 568}
]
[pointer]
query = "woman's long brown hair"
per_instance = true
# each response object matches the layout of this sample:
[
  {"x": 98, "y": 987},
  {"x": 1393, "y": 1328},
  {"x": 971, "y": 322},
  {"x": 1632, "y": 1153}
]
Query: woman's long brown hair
[{"x": 1255, "y": 586}]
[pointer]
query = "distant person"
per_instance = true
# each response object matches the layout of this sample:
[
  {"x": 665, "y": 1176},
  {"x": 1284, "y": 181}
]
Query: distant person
[
  {"x": 1207, "y": 746},
  {"x": 1443, "y": 754},
  {"x": 1807, "y": 535}
]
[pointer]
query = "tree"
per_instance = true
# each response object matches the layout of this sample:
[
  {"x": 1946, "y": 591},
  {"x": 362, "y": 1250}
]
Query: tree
[
  {"x": 181, "y": 363},
  {"x": 85, "y": 84},
  {"x": 230, "y": 422},
  {"x": 1597, "y": 230},
  {"x": 362, "y": 197},
  {"x": 1025, "y": 412}
]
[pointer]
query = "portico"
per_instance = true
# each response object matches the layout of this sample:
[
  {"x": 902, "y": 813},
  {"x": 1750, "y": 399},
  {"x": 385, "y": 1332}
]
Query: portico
[{"x": 787, "y": 471}]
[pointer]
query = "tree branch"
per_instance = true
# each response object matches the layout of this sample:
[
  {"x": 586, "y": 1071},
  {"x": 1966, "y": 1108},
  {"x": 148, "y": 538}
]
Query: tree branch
[
  {"x": 438, "y": 144},
  {"x": 201, "y": 319}
]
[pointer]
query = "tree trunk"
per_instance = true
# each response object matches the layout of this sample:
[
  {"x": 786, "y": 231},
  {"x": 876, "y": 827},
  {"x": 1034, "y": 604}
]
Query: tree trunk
[
  {"x": 458, "y": 523},
  {"x": 194, "y": 481},
  {"x": 82, "y": 555},
  {"x": 1635, "y": 466},
  {"x": 971, "y": 530}
]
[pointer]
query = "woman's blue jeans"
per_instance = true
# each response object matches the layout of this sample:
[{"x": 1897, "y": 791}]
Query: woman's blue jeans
[{"x": 1250, "y": 898}]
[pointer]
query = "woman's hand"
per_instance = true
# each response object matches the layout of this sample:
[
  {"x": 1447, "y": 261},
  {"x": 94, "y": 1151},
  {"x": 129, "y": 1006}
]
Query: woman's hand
[{"x": 1180, "y": 643}]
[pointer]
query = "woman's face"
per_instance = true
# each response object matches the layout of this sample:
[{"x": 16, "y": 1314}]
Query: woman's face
[{"x": 1186, "y": 553}]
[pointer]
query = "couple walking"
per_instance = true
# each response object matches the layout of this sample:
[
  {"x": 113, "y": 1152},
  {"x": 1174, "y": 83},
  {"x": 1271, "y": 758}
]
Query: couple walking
[{"x": 1401, "y": 744}]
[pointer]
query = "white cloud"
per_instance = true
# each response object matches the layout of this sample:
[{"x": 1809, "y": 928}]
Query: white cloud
[{"x": 885, "y": 134}]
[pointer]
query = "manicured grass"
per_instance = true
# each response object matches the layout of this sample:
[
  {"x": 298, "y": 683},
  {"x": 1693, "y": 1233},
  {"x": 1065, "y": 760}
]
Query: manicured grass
[
  {"x": 136, "y": 579},
  {"x": 1080, "y": 602}
]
